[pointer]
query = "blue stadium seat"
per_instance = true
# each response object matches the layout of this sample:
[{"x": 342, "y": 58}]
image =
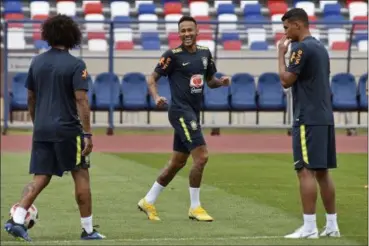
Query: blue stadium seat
[
  {"x": 150, "y": 45},
  {"x": 252, "y": 10},
  {"x": 334, "y": 21},
  {"x": 332, "y": 9},
  {"x": 18, "y": 93},
  {"x": 164, "y": 91},
  {"x": 106, "y": 88},
  {"x": 259, "y": 46},
  {"x": 134, "y": 90},
  {"x": 254, "y": 21},
  {"x": 150, "y": 41},
  {"x": 228, "y": 36},
  {"x": 243, "y": 92},
  {"x": 296, "y": 1},
  {"x": 126, "y": 22},
  {"x": 344, "y": 92},
  {"x": 363, "y": 99},
  {"x": 91, "y": 93},
  {"x": 170, "y": 1},
  {"x": 226, "y": 9},
  {"x": 12, "y": 7},
  {"x": 216, "y": 99},
  {"x": 150, "y": 36},
  {"x": 361, "y": 36},
  {"x": 270, "y": 92},
  {"x": 41, "y": 44},
  {"x": 146, "y": 8}
]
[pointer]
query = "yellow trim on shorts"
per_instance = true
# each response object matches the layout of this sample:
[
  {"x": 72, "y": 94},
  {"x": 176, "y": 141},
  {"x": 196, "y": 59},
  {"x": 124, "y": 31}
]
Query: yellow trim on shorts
[
  {"x": 303, "y": 144},
  {"x": 79, "y": 150},
  {"x": 185, "y": 129}
]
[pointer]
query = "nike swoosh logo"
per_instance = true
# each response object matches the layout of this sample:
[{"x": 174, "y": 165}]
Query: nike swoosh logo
[
  {"x": 296, "y": 162},
  {"x": 185, "y": 64}
]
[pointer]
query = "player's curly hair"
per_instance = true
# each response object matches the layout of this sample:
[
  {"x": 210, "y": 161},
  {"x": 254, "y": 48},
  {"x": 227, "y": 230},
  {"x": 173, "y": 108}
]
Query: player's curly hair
[{"x": 61, "y": 30}]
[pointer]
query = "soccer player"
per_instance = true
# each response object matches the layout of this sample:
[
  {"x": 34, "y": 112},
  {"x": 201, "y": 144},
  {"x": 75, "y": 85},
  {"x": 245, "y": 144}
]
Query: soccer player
[
  {"x": 57, "y": 86},
  {"x": 313, "y": 133},
  {"x": 187, "y": 67}
]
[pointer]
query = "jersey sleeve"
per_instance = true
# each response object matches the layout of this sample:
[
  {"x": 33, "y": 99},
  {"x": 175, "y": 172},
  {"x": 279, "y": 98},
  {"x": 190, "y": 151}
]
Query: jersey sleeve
[
  {"x": 211, "y": 68},
  {"x": 80, "y": 77},
  {"x": 165, "y": 64},
  {"x": 297, "y": 59}
]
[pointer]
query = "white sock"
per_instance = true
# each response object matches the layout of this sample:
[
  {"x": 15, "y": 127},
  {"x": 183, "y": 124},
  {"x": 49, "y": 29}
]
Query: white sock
[
  {"x": 195, "y": 197},
  {"x": 332, "y": 221},
  {"x": 19, "y": 215},
  {"x": 86, "y": 223},
  {"x": 310, "y": 222},
  {"x": 154, "y": 192}
]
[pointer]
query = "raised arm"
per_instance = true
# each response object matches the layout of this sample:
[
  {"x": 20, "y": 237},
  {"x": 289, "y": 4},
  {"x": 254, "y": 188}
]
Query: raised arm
[{"x": 288, "y": 75}]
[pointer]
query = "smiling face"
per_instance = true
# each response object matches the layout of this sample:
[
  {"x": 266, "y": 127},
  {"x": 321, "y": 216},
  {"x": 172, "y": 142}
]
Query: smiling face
[{"x": 188, "y": 33}]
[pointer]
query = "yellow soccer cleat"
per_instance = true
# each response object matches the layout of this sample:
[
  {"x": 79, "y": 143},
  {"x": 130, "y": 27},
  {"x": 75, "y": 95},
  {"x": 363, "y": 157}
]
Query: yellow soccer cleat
[
  {"x": 148, "y": 209},
  {"x": 199, "y": 214}
]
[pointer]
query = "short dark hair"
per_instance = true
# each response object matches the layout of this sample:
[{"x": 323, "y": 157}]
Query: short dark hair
[
  {"x": 187, "y": 18},
  {"x": 61, "y": 30},
  {"x": 296, "y": 14}
]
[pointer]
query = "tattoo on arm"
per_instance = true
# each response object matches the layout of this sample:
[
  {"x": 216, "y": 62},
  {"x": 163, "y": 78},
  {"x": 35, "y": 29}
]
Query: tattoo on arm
[
  {"x": 151, "y": 82},
  {"x": 83, "y": 110},
  {"x": 28, "y": 189},
  {"x": 31, "y": 102}
]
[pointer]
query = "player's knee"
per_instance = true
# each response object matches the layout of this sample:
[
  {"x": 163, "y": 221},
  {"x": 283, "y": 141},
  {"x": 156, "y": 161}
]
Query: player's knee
[
  {"x": 201, "y": 159},
  {"x": 41, "y": 181},
  {"x": 178, "y": 160},
  {"x": 177, "y": 164},
  {"x": 304, "y": 172},
  {"x": 321, "y": 174}
]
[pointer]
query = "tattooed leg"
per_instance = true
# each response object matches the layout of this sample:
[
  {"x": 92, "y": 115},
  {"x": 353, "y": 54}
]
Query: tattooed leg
[
  {"x": 29, "y": 195},
  {"x": 33, "y": 189}
]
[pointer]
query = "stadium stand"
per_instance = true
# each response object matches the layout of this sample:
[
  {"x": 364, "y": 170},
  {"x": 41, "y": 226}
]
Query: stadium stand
[
  {"x": 97, "y": 38},
  {"x": 256, "y": 88}
]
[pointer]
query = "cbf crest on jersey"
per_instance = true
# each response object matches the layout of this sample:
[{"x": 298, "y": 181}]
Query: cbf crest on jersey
[{"x": 204, "y": 62}]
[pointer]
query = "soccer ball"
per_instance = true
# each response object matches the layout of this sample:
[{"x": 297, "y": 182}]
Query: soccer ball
[{"x": 31, "y": 217}]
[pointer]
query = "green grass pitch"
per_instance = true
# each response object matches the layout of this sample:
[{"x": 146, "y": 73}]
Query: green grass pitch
[{"x": 253, "y": 198}]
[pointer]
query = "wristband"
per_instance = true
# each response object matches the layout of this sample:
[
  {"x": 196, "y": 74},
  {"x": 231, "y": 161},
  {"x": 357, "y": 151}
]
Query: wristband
[{"x": 87, "y": 135}]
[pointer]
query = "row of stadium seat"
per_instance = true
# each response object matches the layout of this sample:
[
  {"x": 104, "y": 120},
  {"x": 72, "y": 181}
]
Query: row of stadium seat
[
  {"x": 252, "y": 12},
  {"x": 243, "y": 95},
  {"x": 196, "y": 8}
]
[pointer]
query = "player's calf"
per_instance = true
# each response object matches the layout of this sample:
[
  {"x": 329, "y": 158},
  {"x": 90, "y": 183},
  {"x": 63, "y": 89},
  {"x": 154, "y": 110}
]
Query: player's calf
[
  {"x": 200, "y": 159},
  {"x": 81, "y": 179},
  {"x": 327, "y": 193},
  {"x": 29, "y": 195}
]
